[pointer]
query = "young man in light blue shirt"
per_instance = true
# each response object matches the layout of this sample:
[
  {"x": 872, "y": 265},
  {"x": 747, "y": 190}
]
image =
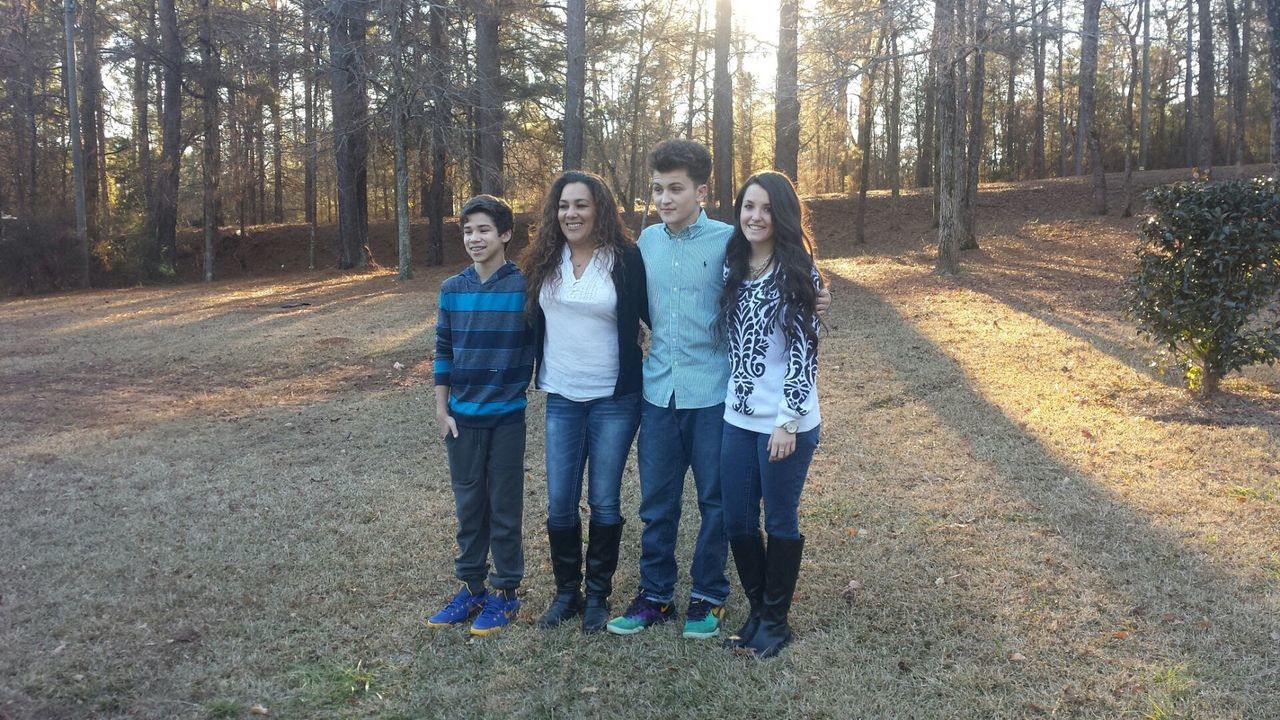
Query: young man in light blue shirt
[{"x": 685, "y": 374}]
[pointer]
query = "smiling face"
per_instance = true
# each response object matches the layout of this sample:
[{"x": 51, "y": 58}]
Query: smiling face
[
  {"x": 483, "y": 242},
  {"x": 756, "y": 219},
  {"x": 577, "y": 213},
  {"x": 678, "y": 199}
]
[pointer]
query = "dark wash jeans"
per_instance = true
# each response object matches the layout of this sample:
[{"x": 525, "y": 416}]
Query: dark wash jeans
[
  {"x": 594, "y": 435},
  {"x": 747, "y": 477},
  {"x": 672, "y": 441},
  {"x": 486, "y": 469}
]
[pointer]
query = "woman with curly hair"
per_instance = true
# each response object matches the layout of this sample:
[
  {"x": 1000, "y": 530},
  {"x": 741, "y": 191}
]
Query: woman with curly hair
[
  {"x": 771, "y": 413},
  {"x": 586, "y": 298}
]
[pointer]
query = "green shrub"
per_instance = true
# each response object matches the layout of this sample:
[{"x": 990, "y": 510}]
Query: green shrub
[{"x": 1208, "y": 277}]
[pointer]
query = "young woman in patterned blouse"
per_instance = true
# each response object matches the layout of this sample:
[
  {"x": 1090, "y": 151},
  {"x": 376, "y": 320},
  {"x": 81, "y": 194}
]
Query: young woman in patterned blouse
[{"x": 771, "y": 413}]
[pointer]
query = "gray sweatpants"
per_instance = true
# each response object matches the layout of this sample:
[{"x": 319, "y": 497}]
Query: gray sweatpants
[{"x": 486, "y": 469}]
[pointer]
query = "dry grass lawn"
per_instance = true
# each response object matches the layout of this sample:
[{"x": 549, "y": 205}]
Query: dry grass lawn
[{"x": 210, "y": 502}]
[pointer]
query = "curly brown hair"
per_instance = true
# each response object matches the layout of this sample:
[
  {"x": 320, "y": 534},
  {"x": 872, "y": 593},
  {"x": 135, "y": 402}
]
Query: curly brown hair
[{"x": 541, "y": 259}]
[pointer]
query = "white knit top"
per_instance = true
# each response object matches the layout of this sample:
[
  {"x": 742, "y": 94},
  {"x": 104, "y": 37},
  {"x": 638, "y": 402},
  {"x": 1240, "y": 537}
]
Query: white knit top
[{"x": 580, "y": 356}]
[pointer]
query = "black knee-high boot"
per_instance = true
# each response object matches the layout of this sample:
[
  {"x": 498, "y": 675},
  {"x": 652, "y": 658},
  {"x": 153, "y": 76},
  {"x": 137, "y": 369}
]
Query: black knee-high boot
[
  {"x": 602, "y": 561},
  {"x": 566, "y": 565},
  {"x": 749, "y": 557},
  {"x": 782, "y": 567}
]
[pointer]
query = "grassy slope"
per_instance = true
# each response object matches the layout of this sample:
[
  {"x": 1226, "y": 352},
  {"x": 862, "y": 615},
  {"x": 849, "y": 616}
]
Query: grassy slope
[{"x": 208, "y": 501}]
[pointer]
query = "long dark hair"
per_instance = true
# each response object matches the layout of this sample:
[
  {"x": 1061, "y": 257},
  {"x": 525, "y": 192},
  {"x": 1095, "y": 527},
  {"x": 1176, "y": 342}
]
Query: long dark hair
[
  {"x": 794, "y": 257},
  {"x": 541, "y": 259}
]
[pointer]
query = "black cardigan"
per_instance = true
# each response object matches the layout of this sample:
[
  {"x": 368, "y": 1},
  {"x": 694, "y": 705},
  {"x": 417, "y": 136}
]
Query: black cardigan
[{"x": 633, "y": 307}]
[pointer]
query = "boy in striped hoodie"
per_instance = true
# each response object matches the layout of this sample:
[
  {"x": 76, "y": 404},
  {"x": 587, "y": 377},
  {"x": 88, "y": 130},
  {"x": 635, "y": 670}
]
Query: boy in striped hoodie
[{"x": 483, "y": 364}]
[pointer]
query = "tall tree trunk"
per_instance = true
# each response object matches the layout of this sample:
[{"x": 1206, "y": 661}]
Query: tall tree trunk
[
  {"x": 977, "y": 131},
  {"x": 1144, "y": 123},
  {"x": 1246, "y": 44},
  {"x": 166, "y": 225},
  {"x": 950, "y": 139},
  {"x": 1012, "y": 152},
  {"x": 1238, "y": 84},
  {"x": 893, "y": 128},
  {"x": 1273, "y": 37},
  {"x": 399, "y": 118},
  {"x": 743, "y": 121},
  {"x": 723, "y": 113},
  {"x": 311, "y": 153},
  {"x": 637, "y": 102},
  {"x": 694, "y": 48},
  {"x": 928, "y": 126},
  {"x": 1062, "y": 97},
  {"x": 1131, "y": 88},
  {"x": 348, "y": 25},
  {"x": 786, "y": 140},
  {"x": 1204, "y": 158},
  {"x": 866, "y": 116},
  {"x": 73, "y": 136},
  {"x": 211, "y": 150},
  {"x": 1038, "y": 40},
  {"x": 1088, "y": 75},
  {"x": 575, "y": 49},
  {"x": 489, "y": 117},
  {"x": 441, "y": 117},
  {"x": 90, "y": 115},
  {"x": 141, "y": 113},
  {"x": 1188, "y": 115},
  {"x": 277, "y": 126}
]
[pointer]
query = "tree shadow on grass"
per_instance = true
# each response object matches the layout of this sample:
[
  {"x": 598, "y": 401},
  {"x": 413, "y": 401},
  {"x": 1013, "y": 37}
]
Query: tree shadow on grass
[{"x": 1183, "y": 604}]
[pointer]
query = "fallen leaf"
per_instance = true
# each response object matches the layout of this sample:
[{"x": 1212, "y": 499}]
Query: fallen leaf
[
  {"x": 398, "y": 366},
  {"x": 1203, "y": 623},
  {"x": 259, "y": 710},
  {"x": 590, "y": 690},
  {"x": 939, "y": 582},
  {"x": 60, "y": 648},
  {"x": 851, "y": 591},
  {"x": 1017, "y": 657},
  {"x": 1087, "y": 434},
  {"x": 852, "y": 532},
  {"x": 1120, "y": 634}
]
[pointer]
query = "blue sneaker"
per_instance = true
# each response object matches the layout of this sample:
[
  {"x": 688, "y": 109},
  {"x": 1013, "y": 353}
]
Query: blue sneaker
[
  {"x": 642, "y": 613},
  {"x": 500, "y": 609},
  {"x": 460, "y": 609}
]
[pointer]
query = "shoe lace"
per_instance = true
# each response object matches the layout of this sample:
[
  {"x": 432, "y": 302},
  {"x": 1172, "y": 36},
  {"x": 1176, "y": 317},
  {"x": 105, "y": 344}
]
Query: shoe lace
[
  {"x": 495, "y": 606},
  {"x": 461, "y": 601},
  {"x": 639, "y": 606}
]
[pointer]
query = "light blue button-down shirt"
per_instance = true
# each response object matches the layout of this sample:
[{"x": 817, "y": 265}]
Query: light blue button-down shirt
[{"x": 687, "y": 356}]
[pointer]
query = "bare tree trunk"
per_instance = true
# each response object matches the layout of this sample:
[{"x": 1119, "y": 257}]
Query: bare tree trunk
[
  {"x": 210, "y": 152},
  {"x": 1038, "y": 40},
  {"x": 786, "y": 141},
  {"x": 312, "y": 152},
  {"x": 277, "y": 126},
  {"x": 694, "y": 47},
  {"x": 723, "y": 113},
  {"x": 866, "y": 116},
  {"x": 90, "y": 115},
  {"x": 1204, "y": 158},
  {"x": 166, "y": 225},
  {"x": 141, "y": 114},
  {"x": 894, "y": 126},
  {"x": 1062, "y": 98},
  {"x": 1273, "y": 32},
  {"x": 73, "y": 136},
  {"x": 1130, "y": 91},
  {"x": 348, "y": 24},
  {"x": 1246, "y": 44},
  {"x": 489, "y": 117},
  {"x": 1088, "y": 75},
  {"x": 977, "y": 131},
  {"x": 1188, "y": 116},
  {"x": 441, "y": 117},
  {"x": 1144, "y": 125},
  {"x": 745, "y": 127},
  {"x": 575, "y": 81},
  {"x": 1238, "y": 85},
  {"x": 399, "y": 117},
  {"x": 1012, "y": 152},
  {"x": 950, "y": 139},
  {"x": 928, "y": 126}
]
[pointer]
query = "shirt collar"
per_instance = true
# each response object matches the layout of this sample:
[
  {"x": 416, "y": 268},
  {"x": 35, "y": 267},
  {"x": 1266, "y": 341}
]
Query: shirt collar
[{"x": 692, "y": 228}]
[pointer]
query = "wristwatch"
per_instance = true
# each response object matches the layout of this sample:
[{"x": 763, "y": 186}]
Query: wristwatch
[{"x": 791, "y": 426}]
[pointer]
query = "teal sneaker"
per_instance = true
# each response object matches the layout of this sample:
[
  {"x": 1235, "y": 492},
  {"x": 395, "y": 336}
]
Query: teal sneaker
[
  {"x": 702, "y": 620},
  {"x": 642, "y": 613},
  {"x": 460, "y": 609},
  {"x": 499, "y": 611}
]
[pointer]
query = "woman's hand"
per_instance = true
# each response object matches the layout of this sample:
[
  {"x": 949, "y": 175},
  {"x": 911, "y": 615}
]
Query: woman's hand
[{"x": 781, "y": 444}]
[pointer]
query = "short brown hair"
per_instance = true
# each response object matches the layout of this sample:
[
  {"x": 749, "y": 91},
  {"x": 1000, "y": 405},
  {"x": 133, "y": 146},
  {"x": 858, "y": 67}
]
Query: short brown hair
[{"x": 686, "y": 155}]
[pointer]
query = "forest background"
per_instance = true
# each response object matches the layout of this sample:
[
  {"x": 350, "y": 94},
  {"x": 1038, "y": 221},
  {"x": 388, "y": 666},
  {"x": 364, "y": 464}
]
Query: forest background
[{"x": 231, "y": 114}]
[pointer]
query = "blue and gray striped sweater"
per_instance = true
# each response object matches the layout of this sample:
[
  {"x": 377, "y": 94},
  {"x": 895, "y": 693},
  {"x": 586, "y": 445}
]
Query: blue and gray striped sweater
[{"x": 484, "y": 347}]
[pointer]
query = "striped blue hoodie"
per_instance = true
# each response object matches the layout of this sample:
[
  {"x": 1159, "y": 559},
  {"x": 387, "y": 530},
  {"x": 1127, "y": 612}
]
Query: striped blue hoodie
[{"x": 484, "y": 347}]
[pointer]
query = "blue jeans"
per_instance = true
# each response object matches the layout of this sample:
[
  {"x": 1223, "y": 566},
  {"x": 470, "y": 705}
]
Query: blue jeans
[
  {"x": 747, "y": 477},
  {"x": 600, "y": 430},
  {"x": 671, "y": 441}
]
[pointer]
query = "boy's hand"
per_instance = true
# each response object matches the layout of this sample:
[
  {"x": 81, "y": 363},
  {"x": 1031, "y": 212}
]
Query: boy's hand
[
  {"x": 445, "y": 425},
  {"x": 781, "y": 444},
  {"x": 823, "y": 301}
]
